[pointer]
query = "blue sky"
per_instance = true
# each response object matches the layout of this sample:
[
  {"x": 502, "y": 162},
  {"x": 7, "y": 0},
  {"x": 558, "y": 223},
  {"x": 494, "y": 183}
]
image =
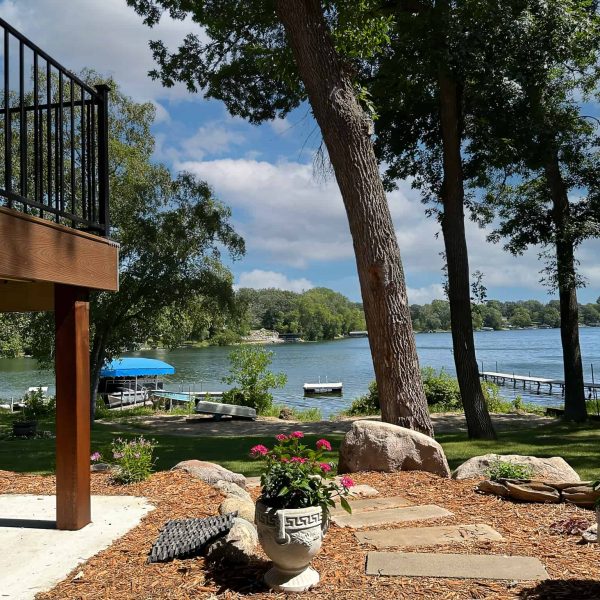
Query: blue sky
[{"x": 290, "y": 214}]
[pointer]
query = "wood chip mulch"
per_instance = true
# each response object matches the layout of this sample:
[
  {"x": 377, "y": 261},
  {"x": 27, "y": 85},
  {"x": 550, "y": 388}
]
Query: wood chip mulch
[{"x": 120, "y": 572}]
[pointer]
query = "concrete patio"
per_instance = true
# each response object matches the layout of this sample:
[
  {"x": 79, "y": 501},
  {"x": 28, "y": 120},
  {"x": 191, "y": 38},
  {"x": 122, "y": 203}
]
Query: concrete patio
[{"x": 35, "y": 556}]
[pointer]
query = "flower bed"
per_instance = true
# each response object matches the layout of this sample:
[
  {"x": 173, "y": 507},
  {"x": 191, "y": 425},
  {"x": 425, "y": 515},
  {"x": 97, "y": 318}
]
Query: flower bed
[{"x": 120, "y": 572}]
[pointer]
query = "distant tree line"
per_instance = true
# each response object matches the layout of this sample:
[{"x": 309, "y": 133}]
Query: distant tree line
[
  {"x": 500, "y": 315},
  {"x": 317, "y": 314}
]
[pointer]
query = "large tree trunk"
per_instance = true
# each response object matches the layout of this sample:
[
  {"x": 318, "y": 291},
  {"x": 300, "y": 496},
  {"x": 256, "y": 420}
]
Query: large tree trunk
[
  {"x": 345, "y": 130},
  {"x": 479, "y": 423},
  {"x": 575, "y": 408}
]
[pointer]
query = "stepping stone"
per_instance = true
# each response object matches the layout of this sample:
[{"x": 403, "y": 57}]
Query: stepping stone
[
  {"x": 360, "y": 506},
  {"x": 409, "y": 537},
  {"x": 363, "y": 491},
  {"x": 455, "y": 566},
  {"x": 390, "y": 515}
]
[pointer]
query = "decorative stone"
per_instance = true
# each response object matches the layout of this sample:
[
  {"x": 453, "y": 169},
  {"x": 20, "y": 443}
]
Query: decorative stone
[
  {"x": 237, "y": 547},
  {"x": 232, "y": 489},
  {"x": 377, "y": 446},
  {"x": 210, "y": 472},
  {"x": 286, "y": 414},
  {"x": 244, "y": 508},
  {"x": 550, "y": 469},
  {"x": 100, "y": 468},
  {"x": 533, "y": 493},
  {"x": 590, "y": 535},
  {"x": 492, "y": 487},
  {"x": 581, "y": 495}
]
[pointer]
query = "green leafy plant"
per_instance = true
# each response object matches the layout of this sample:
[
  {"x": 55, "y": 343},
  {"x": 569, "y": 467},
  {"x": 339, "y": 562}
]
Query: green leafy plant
[
  {"x": 503, "y": 469},
  {"x": 249, "y": 372},
  {"x": 365, "y": 405},
  {"x": 441, "y": 389},
  {"x": 297, "y": 476},
  {"x": 133, "y": 459},
  {"x": 37, "y": 406}
]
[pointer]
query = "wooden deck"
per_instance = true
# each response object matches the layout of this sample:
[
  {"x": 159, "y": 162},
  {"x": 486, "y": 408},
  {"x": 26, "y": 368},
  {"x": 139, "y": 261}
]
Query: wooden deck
[{"x": 532, "y": 382}]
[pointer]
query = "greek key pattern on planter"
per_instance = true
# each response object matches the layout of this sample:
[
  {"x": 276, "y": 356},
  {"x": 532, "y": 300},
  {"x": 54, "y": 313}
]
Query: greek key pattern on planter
[{"x": 291, "y": 521}]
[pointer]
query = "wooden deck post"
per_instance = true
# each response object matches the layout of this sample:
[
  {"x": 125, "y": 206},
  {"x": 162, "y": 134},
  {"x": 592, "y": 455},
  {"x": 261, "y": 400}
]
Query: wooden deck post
[{"x": 72, "y": 360}]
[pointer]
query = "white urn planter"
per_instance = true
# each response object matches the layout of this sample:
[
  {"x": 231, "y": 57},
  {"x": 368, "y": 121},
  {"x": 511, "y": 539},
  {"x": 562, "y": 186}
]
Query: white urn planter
[{"x": 291, "y": 537}]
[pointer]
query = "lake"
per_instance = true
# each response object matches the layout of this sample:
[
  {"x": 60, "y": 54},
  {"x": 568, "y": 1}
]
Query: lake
[{"x": 536, "y": 352}]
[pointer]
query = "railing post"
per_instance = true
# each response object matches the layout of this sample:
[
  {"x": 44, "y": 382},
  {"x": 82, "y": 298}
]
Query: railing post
[{"x": 103, "y": 205}]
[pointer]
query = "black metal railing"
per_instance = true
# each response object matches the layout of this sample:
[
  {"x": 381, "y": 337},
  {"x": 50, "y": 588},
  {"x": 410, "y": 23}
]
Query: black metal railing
[{"x": 54, "y": 138}]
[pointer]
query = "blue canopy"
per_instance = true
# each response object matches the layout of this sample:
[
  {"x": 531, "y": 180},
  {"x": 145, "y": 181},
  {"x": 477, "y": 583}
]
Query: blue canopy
[{"x": 136, "y": 367}]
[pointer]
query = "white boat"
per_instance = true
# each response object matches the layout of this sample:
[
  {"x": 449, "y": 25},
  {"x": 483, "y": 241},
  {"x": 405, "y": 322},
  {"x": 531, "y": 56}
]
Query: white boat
[{"x": 323, "y": 388}]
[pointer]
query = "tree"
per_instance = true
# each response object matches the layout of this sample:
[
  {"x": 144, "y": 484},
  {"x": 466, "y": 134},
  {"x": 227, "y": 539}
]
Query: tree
[
  {"x": 252, "y": 380},
  {"x": 520, "y": 318},
  {"x": 262, "y": 60},
  {"x": 170, "y": 231},
  {"x": 534, "y": 132},
  {"x": 420, "y": 89}
]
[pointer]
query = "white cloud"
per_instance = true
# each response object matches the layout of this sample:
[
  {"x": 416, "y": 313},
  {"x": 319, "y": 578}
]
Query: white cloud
[
  {"x": 213, "y": 139},
  {"x": 426, "y": 294},
  {"x": 106, "y": 35},
  {"x": 259, "y": 279}
]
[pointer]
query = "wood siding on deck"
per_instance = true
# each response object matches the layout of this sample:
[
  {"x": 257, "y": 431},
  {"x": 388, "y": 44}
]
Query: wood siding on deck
[{"x": 34, "y": 249}]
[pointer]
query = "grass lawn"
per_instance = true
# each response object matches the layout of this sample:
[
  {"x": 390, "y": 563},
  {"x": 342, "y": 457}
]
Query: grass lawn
[{"x": 579, "y": 445}]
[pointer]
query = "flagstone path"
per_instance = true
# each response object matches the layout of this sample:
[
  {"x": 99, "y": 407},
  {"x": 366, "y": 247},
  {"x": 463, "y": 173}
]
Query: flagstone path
[{"x": 386, "y": 511}]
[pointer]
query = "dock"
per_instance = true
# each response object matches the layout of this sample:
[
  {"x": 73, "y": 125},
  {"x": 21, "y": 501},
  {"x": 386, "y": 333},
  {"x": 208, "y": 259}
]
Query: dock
[
  {"x": 323, "y": 388},
  {"x": 528, "y": 381}
]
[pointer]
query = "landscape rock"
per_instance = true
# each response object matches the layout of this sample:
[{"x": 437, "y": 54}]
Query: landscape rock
[
  {"x": 536, "y": 493},
  {"x": 237, "y": 547},
  {"x": 376, "y": 446},
  {"x": 590, "y": 535},
  {"x": 286, "y": 414},
  {"x": 244, "y": 508},
  {"x": 100, "y": 468},
  {"x": 550, "y": 469},
  {"x": 232, "y": 489},
  {"x": 492, "y": 487},
  {"x": 582, "y": 495},
  {"x": 210, "y": 472}
]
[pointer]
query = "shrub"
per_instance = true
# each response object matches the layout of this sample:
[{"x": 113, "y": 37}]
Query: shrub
[
  {"x": 252, "y": 380},
  {"x": 441, "y": 389},
  {"x": 133, "y": 458},
  {"x": 502, "y": 469},
  {"x": 365, "y": 405},
  {"x": 37, "y": 406}
]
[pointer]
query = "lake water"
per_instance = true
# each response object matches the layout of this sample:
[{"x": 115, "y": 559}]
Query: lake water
[{"x": 535, "y": 352}]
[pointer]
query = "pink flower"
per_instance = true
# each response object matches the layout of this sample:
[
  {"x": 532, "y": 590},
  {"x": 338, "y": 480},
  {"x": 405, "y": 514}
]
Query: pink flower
[
  {"x": 281, "y": 437},
  {"x": 325, "y": 467},
  {"x": 96, "y": 456},
  {"x": 298, "y": 459},
  {"x": 296, "y": 434},
  {"x": 346, "y": 482},
  {"x": 324, "y": 445},
  {"x": 259, "y": 450}
]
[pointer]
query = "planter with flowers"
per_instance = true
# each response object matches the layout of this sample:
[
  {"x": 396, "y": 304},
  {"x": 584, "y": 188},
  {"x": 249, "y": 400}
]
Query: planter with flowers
[{"x": 292, "y": 513}]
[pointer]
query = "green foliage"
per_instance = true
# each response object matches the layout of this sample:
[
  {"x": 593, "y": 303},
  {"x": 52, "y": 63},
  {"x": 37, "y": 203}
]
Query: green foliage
[
  {"x": 37, "y": 406},
  {"x": 502, "y": 469},
  {"x": 14, "y": 339},
  {"x": 252, "y": 380},
  {"x": 305, "y": 415},
  {"x": 365, "y": 405},
  {"x": 441, "y": 389},
  {"x": 133, "y": 459},
  {"x": 297, "y": 476}
]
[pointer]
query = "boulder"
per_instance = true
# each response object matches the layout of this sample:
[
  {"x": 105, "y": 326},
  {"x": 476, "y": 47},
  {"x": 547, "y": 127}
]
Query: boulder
[
  {"x": 376, "y": 446},
  {"x": 286, "y": 414},
  {"x": 210, "y": 472},
  {"x": 535, "y": 493},
  {"x": 244, "y": 508},
  {"x": 551, "y": 469},
  {"x": 100, "y": 468},
  {"x": 232, "y": 489},
  {"x": 238, "y": 546}
]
